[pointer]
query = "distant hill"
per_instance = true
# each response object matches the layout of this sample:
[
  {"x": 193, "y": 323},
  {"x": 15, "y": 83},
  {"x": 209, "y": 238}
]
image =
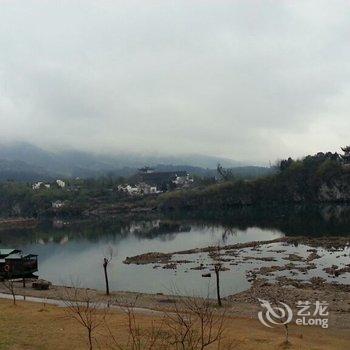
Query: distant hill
[
  {"x": 26, "y": 162},
  {"x": 21, "y": 171}
]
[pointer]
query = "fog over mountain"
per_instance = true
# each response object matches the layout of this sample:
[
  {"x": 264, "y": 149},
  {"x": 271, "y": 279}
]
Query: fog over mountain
[
  {"x": 251, "y": 81},
  {"x": 35, "y": 163}
]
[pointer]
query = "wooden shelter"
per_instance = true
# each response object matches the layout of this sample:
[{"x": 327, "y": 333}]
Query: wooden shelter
[{"x": 15, "y": 264}]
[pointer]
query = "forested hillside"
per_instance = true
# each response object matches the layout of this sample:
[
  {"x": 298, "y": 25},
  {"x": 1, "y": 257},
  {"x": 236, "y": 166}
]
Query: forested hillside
[{"x": 320, "y": 178}]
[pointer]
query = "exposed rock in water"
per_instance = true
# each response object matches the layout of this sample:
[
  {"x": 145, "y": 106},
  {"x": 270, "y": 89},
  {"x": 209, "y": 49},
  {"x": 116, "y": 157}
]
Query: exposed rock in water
[
  {"x": 164, "y": 258},
  {"x": 148, "y": 258},
  {"x": 264, "y": 270},
  {"x": 267, "y": 258},
  {"x": 251, "y": 244},
  {"x": 313, "y": 256},
  {"x": 331, "y": 269},
  {"x": 170, "y": 266},
  {"x": 335, "y": 271},
  {"x": 293, "y": 257}
]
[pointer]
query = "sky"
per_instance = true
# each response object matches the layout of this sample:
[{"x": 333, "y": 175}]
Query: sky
[{"x": 248, "y": 80}]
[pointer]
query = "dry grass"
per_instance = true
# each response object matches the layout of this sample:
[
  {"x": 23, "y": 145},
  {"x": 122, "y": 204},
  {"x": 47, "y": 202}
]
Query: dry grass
[{"x": 30, "y": 326}]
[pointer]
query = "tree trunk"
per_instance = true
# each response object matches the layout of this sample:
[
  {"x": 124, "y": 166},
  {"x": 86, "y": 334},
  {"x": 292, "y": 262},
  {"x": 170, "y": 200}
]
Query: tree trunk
[
  {"x": 13, "y": 297},
  {"x": 217, "y": 273},
  {"x": 286, "y": 333},
  {"x": 105, "y": 264},
  {"x": 24, "y": 282},
  {"x": 90, "y": 339}
]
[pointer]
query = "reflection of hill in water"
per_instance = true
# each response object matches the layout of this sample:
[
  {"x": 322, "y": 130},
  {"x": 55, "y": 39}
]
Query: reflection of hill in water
[
  {"x": 308, "y": 221},
  {"x": 94, "y": 231},
  {"x": 297, "y": 220},
  {"x": 159, "y": 228}
]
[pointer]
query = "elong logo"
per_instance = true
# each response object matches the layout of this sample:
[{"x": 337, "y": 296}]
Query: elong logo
[
  {"x": 282, "y": 314},
  {"x": 274, "y": 315}
]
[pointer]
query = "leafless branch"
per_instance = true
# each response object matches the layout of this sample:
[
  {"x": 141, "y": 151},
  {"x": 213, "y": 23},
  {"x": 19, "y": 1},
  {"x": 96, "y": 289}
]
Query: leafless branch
[{"x": 89, "y": 313}]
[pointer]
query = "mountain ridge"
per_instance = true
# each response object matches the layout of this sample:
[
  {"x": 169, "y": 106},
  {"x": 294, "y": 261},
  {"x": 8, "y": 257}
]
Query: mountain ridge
[{"x": 36, "y": 163}]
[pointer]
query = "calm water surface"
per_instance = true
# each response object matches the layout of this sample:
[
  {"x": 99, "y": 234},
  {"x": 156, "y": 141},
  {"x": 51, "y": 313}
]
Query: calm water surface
[{"x": 74, "y": 253}]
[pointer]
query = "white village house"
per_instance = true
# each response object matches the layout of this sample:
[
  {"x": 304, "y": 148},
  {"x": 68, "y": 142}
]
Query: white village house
[
  {"x": 40, "y": 184},
  {"x": 129, "y": 189},
  {"x": 139, "y": 189},
  {"x": 60, "y": 183},
  {"x": 183, "y": 181}
]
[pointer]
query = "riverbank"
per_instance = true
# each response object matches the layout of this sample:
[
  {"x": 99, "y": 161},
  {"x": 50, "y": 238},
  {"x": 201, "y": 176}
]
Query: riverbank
[
  {"x": 18, "y": 222},
  {"x": 245, "y": 303},
  {"x": 265, "y": 284}
]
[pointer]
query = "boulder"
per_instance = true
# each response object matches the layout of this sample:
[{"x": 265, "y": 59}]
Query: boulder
[{"x": 41, "y": 284}]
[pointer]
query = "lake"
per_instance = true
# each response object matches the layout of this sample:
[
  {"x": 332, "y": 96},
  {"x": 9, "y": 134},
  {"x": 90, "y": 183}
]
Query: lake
[{"x": 74, "y": 252}]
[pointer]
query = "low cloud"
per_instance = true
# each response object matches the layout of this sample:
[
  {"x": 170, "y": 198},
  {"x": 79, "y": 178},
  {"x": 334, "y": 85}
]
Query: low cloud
[{"x": 253, "y": 81}]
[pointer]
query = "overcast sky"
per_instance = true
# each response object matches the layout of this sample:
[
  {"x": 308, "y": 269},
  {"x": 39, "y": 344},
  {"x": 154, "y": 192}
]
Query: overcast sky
[{"x": 249, "y": 80}]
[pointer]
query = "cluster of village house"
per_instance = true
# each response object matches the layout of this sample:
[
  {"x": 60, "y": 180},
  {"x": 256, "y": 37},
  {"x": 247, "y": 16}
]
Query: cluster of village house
[
  {"x": 147, "y": 182},
  {"x": 60, "y": 183},
  {"x": 151, "y": 182},
  {"x": 138, "y": 189},
  {"x": 40, "y": 184}
]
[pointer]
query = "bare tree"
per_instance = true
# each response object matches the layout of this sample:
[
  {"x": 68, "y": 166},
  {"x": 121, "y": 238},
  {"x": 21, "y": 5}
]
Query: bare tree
[
  {"x": 9, "y": 284},
  {"x": 277, "y": 300},
  {"x": 139, "y": 338},
  {"x": 87, "y": 312},
  {"x": 106, "y": 261},
  {"x": 217, "y": 268},
  {"x": 194, "y": 324},
  {"x": 283, "y": 319}
]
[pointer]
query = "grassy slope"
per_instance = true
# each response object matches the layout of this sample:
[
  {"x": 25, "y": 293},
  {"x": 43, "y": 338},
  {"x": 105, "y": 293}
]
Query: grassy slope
[{"x": 27, "y": 326}]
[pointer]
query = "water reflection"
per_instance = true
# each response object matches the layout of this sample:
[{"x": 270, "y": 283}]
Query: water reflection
[{"x": 68, "y": 251}]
